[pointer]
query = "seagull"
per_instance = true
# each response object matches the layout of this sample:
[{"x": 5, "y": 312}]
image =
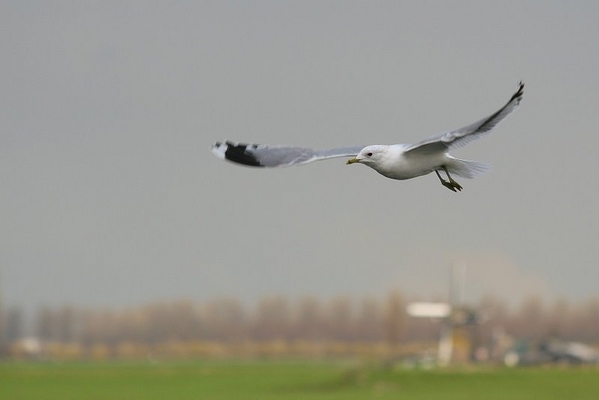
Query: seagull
[{"x": 397, "y": 161}]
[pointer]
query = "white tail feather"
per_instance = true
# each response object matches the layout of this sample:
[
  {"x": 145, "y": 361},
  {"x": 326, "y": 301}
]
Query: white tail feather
[{"x": 467, "y": 169}]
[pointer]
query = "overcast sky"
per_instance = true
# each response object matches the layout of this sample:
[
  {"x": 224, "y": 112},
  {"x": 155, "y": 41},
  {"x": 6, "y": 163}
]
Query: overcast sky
[{"x": 110, "y": 196}]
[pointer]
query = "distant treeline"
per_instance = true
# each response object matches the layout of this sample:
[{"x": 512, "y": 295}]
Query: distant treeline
[{"x": 277, "y": 318}]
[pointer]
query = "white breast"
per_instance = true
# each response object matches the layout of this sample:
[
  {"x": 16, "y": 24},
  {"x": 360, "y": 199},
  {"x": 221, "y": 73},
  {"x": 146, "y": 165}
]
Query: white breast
[{"x": 397, "y": 165}]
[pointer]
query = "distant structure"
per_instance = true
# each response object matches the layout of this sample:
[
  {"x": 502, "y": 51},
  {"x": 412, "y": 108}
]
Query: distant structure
[{"x": 458, "y": 322}]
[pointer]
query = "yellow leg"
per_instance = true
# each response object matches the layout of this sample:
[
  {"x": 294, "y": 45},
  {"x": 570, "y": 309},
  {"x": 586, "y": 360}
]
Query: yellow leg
[{"x": 451, "y": 184}]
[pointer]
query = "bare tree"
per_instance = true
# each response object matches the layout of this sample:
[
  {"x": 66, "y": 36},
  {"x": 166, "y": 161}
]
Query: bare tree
[
  {"x": 370, "y": 320},
  {"x": 558, "y": 323},
  {"x": 529, "y": 321},
  {"x": 309, "y": 320},
  {"x": 395, "y": 318},
  {"x": 45, "y": 324},
  {"x": 223, "y": 319},
  {"x": 340, "y": 319},
  {"x": 272, "y": 319},
  {"x": 14, "y": 324}
]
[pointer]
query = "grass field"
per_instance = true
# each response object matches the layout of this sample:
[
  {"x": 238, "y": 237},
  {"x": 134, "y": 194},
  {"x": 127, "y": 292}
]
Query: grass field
[{"x": 286, "y": 380}]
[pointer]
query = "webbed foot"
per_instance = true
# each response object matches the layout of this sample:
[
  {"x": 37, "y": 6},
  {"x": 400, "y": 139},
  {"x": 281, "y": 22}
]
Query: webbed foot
[{"x": 451, "y": 184}]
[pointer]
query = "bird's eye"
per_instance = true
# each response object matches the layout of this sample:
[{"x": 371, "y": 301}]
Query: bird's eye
[{"x": 369, "y": 154}]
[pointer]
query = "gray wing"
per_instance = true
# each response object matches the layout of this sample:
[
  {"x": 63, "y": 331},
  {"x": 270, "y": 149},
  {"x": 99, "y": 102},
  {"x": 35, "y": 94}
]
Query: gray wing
[
  {"x": 257, "y": 155},
  {"x": 455, "y": 139}
]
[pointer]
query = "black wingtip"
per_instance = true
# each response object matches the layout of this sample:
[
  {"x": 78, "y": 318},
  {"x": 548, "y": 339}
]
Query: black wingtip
[
  {"x": 237, "y": 153},
  {"x": 519, "y": 93}
]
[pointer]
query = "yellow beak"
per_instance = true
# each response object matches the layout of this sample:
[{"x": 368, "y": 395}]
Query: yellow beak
[{"x": 352, "y": 161}]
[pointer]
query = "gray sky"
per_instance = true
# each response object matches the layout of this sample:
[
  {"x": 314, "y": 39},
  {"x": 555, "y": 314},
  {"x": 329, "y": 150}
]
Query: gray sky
[{"x": 111, "y": 197}]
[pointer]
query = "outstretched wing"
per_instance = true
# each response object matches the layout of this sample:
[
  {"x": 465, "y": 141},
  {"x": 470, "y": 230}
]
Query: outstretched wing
[
  {"x": 455, "y": 139},
  {"x": 257, "y": 155}
]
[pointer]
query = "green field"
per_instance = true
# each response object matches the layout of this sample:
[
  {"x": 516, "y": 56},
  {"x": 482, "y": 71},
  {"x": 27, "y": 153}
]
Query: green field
[{"x": 286, "y": 380}]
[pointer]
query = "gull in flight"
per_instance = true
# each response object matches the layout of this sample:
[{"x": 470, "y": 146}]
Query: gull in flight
[{"x": 397, "y": 161}]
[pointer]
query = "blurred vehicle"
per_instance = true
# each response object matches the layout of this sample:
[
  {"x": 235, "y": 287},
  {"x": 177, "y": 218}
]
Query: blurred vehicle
[{"x": 555, "y": 351}]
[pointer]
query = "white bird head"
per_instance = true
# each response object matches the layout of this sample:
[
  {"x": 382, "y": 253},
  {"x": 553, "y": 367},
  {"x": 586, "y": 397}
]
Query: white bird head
[{"x": 370, "y": 155}]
